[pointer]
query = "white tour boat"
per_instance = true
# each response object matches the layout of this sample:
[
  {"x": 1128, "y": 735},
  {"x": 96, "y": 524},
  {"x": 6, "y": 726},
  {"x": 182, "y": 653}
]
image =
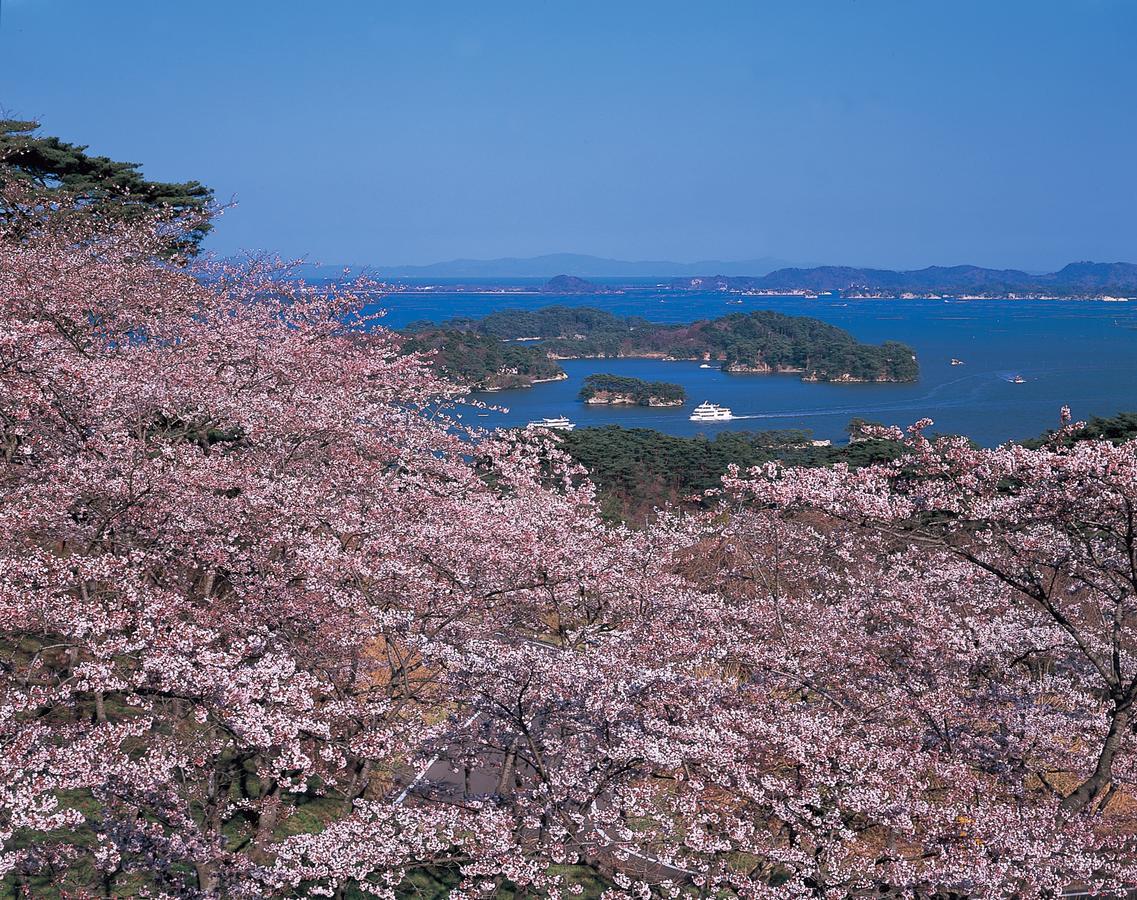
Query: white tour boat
[
  {"x": 560, "y": 423},
  {"x": 711, "y": 412}
]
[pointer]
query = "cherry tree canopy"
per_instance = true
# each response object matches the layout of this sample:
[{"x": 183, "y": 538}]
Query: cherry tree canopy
[{"x": 273, "y": 623}]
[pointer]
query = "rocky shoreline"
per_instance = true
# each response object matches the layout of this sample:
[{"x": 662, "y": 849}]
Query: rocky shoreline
[{"x": 613, "y": 398}]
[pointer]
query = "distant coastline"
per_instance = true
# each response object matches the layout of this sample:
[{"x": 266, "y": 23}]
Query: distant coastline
[
  {"x": 476, "y": 291},
  {"x": 1109, "y": 282}
]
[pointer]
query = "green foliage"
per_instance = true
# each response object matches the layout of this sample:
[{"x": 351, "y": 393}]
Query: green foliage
[
  {"x": 98, "y": 184},
  {"x": 552, "y": 322},
  {"x": 641, "y": 392},
  {"x": 637, "y": 469},
  {"x": 762, "y": 340},
  {"x": 1118, "y": 429},
  {"x": 481, "y": 361}
]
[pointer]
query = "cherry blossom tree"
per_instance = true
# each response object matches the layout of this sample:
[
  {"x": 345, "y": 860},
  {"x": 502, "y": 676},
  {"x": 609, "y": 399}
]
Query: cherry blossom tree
[
  {"x": 996, "y": 592},
  {"x": 221, "y": 558},
  {"x": 274, "y": 623}
]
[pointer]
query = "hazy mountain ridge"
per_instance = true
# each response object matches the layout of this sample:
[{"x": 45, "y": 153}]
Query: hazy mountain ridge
[
  {"x": 577, "y": 264},
  {"x": 580, "y": 265}
]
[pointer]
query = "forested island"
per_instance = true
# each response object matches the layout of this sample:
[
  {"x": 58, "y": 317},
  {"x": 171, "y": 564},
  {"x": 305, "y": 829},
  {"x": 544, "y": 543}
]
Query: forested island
[
  {"x": 483, "y": 362},
  {"x": 571, "y": 284},
  {"x": 760, "y": 342},
  {"x": 617, "y": 389}
]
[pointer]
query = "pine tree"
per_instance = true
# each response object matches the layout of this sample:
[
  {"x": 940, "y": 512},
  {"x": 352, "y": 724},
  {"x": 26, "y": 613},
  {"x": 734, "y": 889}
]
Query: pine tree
[{"x": 96, "y": 184}]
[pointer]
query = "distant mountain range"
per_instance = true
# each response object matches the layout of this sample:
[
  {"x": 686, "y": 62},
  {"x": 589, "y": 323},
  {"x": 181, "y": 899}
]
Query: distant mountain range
[
  {"x": 1076, "y": 280},
  {"x": 553, "y": 264}
]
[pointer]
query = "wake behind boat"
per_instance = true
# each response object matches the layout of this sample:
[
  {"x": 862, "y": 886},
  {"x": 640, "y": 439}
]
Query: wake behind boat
[{"x": 711, "y": 412}]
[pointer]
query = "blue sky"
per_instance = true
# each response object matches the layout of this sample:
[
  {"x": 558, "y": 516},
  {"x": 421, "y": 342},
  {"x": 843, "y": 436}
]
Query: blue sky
[{"x": 863, "y": 132}]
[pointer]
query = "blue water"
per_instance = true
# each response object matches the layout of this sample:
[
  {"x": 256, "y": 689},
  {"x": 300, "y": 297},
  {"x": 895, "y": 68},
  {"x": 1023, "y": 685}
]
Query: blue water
[{"x": 1081, "y": 353}]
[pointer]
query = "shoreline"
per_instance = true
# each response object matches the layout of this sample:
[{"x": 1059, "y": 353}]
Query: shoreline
[{"x": 559, "y": 299}]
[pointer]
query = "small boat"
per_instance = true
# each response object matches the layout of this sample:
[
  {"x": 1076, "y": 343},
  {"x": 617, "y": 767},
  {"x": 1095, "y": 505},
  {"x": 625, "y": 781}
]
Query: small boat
[
  {"x": 482, "y": 415},
  {"x": 711, "y": 412},
  {"x": 1018, "y": 379},
  {"x": 956, "y": 362},
  {"x": 706, "y": 366},
  {"x": 560, "y": 423}
]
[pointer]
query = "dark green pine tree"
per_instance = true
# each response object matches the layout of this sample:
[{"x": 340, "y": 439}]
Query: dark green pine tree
[{"x": 99, "y": 184}]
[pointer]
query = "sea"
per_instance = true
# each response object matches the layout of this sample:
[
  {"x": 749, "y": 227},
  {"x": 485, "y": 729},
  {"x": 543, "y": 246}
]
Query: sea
[{"x": 1080, "y": 353}]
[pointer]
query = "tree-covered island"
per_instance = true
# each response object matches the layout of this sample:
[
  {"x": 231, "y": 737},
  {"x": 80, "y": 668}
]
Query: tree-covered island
[
  {"x": 619, "y": 389},
  {"x": 480, "y": 361},
  {"x": 762, "y": 342}
]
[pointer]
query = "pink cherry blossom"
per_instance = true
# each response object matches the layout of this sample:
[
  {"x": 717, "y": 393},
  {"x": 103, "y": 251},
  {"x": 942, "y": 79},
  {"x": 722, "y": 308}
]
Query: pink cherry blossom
[{"x": 273, "y": 624}]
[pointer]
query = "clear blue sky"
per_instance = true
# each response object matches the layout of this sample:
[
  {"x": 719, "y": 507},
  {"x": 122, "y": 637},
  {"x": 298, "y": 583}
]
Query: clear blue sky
[{"x": 872, "y": 132}]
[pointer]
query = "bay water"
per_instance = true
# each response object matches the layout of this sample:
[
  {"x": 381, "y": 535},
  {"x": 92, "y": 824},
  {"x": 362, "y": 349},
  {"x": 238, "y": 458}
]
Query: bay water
[{"x": 1077, "y": 352}]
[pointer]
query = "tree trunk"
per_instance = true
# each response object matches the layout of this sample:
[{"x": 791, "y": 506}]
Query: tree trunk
[
  {"x": 360, "y": 781},
  {"x": 207, "y": 880},
  {"x": 266, "y": 824},
  {"x": 504, "y": 784},
  {"x": 1096, "y": 784}
]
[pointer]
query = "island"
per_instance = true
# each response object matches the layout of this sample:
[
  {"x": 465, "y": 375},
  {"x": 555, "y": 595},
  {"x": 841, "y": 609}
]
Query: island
[
  {"x": 479, "y": 361},
  {"x": 619, "y": 389},
  {"x": 761, "y": 342},
  {"x": 571, "y": 284}
]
